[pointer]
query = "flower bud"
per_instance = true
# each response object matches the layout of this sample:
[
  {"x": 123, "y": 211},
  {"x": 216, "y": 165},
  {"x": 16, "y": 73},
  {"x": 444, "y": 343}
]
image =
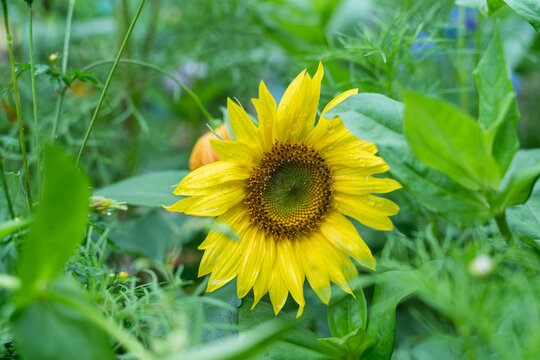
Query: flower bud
[{"x": 202, "y": 152}]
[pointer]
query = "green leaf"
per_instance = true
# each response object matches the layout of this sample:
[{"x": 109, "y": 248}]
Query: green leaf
[
  {"x": 520, "y": 183},
  {"x": 498, "y": 111},
  {"x": 494, "y": 5},
  {"x": 153, "y": 189},
  {"x": 60, "y": 221},
  {"x": 527, "y": 9},
  {"x": 444, "y": 138},
  {"x": 346, "y": 314},
  {"x": 352, "y": 345},
  {"x": 525, "y": 219},
  {"x": 390, "y": 288},
  {"x": 151, "y": 235},
  {"x": 48, "y": 329},
  {"x": 298, "y": 342},
  {"x": 241, "y": 347},
  {"x": 379, "y": 119}
]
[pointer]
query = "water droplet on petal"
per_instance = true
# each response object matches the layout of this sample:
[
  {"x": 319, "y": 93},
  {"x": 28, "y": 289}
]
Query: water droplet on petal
[{"x": 331, "y": 128}]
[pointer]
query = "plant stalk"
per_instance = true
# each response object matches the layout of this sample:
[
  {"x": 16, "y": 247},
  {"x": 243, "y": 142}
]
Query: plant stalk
[
  {"x": 18, "y": 107},
  {"x": 502, "y": 224},
  {"x": 159, "y": 70},
  {"x": 6, "y": 190},
  {"x": 109, "y": 79},
  {"x": 34, "y": 97},
  {"x": 65, "y": 56}
]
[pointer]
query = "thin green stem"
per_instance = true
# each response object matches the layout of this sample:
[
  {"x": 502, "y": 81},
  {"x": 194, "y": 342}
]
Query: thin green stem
[
  {"x": 65, "y": 56},
  {"x": 502, "y": 224},
  {"x": 463, "y": 75},
  {"x": 34, "y": 97},
  {"x": 18, "y": 107},
  {"x": 6, "y": 190},
  {"x": 160, "y": 70},
  {"x": 108, "y": 82}
]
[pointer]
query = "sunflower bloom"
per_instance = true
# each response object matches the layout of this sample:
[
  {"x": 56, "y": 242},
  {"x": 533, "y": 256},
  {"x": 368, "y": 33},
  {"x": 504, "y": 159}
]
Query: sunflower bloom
[{"x": 286, "y": 187}]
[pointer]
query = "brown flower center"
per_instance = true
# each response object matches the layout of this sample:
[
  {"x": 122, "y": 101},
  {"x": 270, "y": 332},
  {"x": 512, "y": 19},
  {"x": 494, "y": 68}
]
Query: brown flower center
[{"x": 290, "y": 191}]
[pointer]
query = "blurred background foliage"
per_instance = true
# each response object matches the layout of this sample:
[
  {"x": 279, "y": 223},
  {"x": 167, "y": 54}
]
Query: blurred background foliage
[{"x": 223, "y": 49}]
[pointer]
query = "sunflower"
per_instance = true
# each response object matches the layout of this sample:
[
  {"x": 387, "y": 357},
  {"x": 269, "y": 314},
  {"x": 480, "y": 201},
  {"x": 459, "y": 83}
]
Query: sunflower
[{"x": 285, "y": 187}]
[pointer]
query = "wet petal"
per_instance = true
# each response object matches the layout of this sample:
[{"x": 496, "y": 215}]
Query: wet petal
[
  {"x": 339, "y": 231},
  {"x": 266, "y": 113},
  {"x": 370, "y": 210}
]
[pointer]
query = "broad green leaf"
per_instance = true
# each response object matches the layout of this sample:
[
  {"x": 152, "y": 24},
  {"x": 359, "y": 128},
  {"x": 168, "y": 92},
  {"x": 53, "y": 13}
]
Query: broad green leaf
[
  {"x": 444, "y": 138},
  {"x": 390, "y": 289},
  {"x": 349, "y": 346},
  {"x": 379, "y": 119},
  {"x": 518, "y": 187},
  {"x": 498, "y": 111},
  {"x": 527, "y": 9},
  {"x": 296, "y": 343},
  {"x": 346, "y": 314},
  {"x": 238, "y": 347},
  {"x": 47, "y": 329},
  {"x": 494, "y": 5},
  {"x": 151, "y": 235},
  {"x": 153, "y": 189},
  {"x": 525, "y": 219},
  {"x": 60, "y": 221}
]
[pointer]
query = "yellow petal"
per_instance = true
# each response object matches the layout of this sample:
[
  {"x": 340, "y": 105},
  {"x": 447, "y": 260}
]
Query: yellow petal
[
  {"x": 362, "y": 185},
  {"x": 310, "y": 105},
  {"x": 343, "y": 235},
  {"x": 235, "y": 218},
  {"x": 234, "y": 151},
  {"x": 278, "y": 290},
  {"x": 211, "y": 256},
  {"x": 338, "y": 99},
  {"x": 262, "y": 283},
  {"x": 339, "y": 266},
  {"x": 291, "y": 115},
  {"x": 243, "y": 127},
  {"x": 314, "y": 268},
  {"x": 370, "y": 210},
  {"x": 346, "y": 173},
  {"x": 229, "y": 186},
  {"x": 291, "y": 271},
  {"x": 253, "y": 257},
  {"x": 266, "y": 113},
  {"x": 214, "y": 204},
  {"x": 227, "y": 266},
  {"x": 353, "y": 158},
  {"x": 213, "y": 174}
]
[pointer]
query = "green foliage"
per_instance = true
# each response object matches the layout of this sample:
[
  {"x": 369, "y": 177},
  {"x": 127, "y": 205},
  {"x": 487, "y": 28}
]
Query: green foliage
[
  {"x": 59, "y": 225},
  {"x": 154, "y": 189},
  {"x": 446, "y": 139},
  {"x": 446, "y": 286},
  {"x": 528, "y": 9},
  {"x": 379, "y": 119},
  {"x": 498, "y": 112}
]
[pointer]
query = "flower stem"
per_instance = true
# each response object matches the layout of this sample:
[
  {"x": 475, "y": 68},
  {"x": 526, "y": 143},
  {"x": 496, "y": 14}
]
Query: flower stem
[
  {"x": 65, "y": 56},
  {"x": 108, "y": 82},
  {"x": 160, "y": 70},
  {"x": 34, "y": 97},
  {"x": 18, "y": 107},
  {"x": 502, "y": 224},
  {"x": 6, "y": 190}
]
